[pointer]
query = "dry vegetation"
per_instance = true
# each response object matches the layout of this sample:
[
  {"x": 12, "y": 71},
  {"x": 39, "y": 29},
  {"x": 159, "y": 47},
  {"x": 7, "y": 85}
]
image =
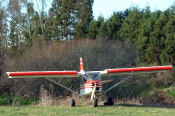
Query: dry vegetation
[{"x": 97, "y": 55}]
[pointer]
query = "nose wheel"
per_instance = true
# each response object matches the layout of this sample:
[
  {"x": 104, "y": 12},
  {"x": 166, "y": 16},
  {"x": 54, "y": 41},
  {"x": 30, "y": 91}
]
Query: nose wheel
[{"x": 95, "y": 102}]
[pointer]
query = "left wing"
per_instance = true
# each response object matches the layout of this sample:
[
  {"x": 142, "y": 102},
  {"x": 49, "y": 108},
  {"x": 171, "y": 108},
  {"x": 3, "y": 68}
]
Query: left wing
[
  {"x": 118, "y": 71},
  {"x": 37, "y": 74}
]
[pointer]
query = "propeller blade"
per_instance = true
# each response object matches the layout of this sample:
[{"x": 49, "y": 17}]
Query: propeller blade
[
  {"x": 105, "y": 81},
  {"x": 93, "y": 92}
]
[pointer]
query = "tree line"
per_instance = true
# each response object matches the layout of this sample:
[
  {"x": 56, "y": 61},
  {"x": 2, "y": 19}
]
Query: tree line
[
  {"x": 21, "y": 23},
  {"x": 151, "y": 33}
]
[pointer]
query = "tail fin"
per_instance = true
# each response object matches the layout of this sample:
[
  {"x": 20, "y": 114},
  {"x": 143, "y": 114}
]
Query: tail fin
[{"x": 81, "y": 65}]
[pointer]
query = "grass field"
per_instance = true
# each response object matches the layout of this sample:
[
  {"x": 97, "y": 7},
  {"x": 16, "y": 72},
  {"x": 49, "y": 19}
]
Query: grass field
[{"x": 119, "y": 110}]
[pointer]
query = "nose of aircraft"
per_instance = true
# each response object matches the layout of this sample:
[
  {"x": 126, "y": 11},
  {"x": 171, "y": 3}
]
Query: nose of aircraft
[{"x": 92, "y": 82}]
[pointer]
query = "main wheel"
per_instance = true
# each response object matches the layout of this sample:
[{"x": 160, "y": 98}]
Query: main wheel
[
  {"x": 72, "y": 102},
  {"x": 95, "y": 102},
  {"x": 109, "y": 99},
  {"x": 109, "y": 102}
]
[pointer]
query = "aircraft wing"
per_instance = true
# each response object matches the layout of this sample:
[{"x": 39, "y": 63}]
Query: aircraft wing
[
  {"x": 119, "y": 71},
  {"x": 38, "y": 74}
]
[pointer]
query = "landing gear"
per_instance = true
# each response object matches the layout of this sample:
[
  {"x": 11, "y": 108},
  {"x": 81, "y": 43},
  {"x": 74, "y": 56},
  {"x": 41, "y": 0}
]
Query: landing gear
[
  {"x": 95, "y": 103},
  {"x": 109, "y": 102},
  {"x": 72, "y": 102}
]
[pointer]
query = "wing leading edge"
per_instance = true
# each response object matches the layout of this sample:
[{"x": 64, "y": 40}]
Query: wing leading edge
[{"x": 37, "y": 74}]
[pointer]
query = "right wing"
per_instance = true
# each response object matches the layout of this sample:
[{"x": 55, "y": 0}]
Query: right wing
[
  {"x": 119, "y": 71},
  {"x": 37, "y": 74}
]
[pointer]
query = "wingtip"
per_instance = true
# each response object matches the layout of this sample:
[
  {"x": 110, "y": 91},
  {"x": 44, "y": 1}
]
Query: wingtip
[
  {"x": 8, "y": 73},
  {"x": 171, "y": 67}
]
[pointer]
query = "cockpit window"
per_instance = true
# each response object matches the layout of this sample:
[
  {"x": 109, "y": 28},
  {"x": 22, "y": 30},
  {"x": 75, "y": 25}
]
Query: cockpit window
[{"x": 93, "y": 76}]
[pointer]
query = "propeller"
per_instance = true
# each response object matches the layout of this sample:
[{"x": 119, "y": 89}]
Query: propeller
[
  {"x": 105, "y": 81},
  {"x": 93, "y": 92},
  {"x": 95, "y": 87}
]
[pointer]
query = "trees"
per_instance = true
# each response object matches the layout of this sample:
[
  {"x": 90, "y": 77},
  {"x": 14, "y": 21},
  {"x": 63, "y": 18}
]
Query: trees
[
  {"x": 97, "y": 28},
  {"x": 15, "y": 21},
  {"x": 93, "y": 29},
  {"x": 168, "y": 53},
  {"x": 29, "y": 24},
  {"x": 145, "y": 30},
  {"x": 71, "y": 18},
  {"x": 84, "y": 17},
  {"x": 3, "y": 28},
  {"x": 130, "y": 26},
  {"x": 151, "y": 33},
  {"x": 113, "y": 25},
  {"x": 62, "y": 14}
]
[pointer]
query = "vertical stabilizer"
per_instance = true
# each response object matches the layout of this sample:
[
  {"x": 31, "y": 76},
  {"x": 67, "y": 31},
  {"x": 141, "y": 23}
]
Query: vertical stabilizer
[{"x": 81, "y": 65}]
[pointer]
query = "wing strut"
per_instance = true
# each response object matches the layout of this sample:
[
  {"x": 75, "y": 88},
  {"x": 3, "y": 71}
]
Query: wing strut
[
  {"x": 123, "y": 80},
  {"x": 63, "y": 86}
]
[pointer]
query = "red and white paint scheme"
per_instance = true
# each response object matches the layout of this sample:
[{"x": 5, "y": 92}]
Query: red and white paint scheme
[
  {"x": 91, "y": 80},
  {"x": 88, "y": 86}
]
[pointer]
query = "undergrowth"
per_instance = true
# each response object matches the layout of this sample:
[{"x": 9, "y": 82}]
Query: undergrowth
[{"x": 7, "y": 99}]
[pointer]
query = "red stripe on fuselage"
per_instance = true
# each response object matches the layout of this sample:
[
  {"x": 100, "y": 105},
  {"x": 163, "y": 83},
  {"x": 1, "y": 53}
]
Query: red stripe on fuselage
[
  {"x": 90, "y": 84},
  {"x": 88, "y": 87}
]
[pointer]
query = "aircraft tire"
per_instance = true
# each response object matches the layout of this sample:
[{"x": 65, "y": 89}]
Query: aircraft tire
[
  {"x": 109, "y": 102},
  {"x": 72, "y": 102},
  {"x": 109, "y": 99},
  {"x": 95, "y": 102}
]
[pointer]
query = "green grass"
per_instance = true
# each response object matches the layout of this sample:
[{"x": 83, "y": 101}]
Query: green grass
[{"x": 120, "y": 110}]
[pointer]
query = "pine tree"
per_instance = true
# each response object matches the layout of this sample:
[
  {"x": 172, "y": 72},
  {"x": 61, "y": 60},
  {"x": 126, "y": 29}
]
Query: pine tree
[
  {"x": 130, "y": 26},
  {"x": 168, "y": 53},
  {"x": 113, "y": 25},
  {"x": 92, "y": 30},
  {"x": 28, "y": 33},
  {"x": 61, "y": 10},
  {"x": 72, "y": 18},
  {"x": 3, "y": 28},
  {"x": 102, "y": 30},
  {"x": 84, "y": 17},
  {"x": 15, "y": 35},
  {"x": 145, "y": 30}
]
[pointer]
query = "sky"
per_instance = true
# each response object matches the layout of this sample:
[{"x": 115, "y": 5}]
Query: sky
[{"x": 106, "y": 8}]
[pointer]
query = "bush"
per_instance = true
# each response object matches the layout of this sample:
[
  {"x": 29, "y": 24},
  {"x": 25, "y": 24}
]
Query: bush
[{"x": 7, "y": 99}]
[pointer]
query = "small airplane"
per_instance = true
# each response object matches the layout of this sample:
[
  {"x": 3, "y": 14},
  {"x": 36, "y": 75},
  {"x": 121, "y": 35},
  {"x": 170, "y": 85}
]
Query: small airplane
[{"x": 91, "y": 80}]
